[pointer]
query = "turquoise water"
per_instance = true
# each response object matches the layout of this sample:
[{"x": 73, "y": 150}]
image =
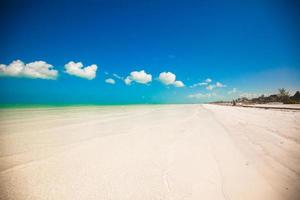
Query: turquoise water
[{"x": 13, "y": 106}]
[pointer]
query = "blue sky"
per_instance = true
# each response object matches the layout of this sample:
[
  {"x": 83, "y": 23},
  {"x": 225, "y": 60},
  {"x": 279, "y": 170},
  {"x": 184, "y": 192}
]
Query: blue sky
[{"x": 248, "y": 47}]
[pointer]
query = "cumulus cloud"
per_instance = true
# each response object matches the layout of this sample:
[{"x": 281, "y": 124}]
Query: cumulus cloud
[
  {"x": 110, "y": 81},
  {"x": 178, "y": 84},
  {"x": 168, "y": 78},
  {"x": 127, "y": 81},
  {"x": 138, "y": 76},
  {"x": 77, "y": 69},
  {"x": 201, "y": 95},
  {"x": 35, "y": 70}
]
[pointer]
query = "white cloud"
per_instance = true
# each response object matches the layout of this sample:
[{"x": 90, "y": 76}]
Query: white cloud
[
  {"x": 208, "y": 80},
  {"x": 110, "y": 81},
  {"x": 37, "y": 69},
  {"x": 199, "y": 84},
  {"x": 233, "y": 91},
  {"x": 210, "y": 87},
  {"x": 201, "y": 96},
  {"x": 138, "y": 76},
  {"x": 77, "y": 69},
  {"x": 167, "y": 78},
  {"x": 178, "y": 84},
  {"x": 127, "y": 81},
  {"x": 220, "y": 85}
]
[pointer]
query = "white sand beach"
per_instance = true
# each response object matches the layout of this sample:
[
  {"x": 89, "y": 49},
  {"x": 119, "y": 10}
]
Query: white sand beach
[
  {"x": 156, "y": 152},
  {"x": 275, "y": 106}
]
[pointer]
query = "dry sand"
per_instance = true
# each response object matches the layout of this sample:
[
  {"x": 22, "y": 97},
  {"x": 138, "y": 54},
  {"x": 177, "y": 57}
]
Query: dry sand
[
  {"x": 277, "y": 106},
  {"x": 149, "y": 152}
]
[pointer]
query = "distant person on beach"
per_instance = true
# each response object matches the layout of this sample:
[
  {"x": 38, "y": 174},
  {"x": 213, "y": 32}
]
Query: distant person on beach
[{"x": 234, "y": 103}]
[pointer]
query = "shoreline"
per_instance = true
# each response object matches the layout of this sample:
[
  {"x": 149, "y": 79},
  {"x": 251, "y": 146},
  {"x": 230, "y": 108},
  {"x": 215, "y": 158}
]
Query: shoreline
[{"x": 8, "y": 106}]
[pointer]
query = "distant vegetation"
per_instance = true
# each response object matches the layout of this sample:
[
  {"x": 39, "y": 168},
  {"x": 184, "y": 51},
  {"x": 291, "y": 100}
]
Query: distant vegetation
[{"x": 282, "y": 96}]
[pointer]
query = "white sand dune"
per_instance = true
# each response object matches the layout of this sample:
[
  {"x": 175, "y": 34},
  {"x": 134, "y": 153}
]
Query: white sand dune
[{"x": 149, "y": 152}]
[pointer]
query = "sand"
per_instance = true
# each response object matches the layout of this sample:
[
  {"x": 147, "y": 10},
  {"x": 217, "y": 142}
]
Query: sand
[
  {"x": 276, "y": 106},
  {"x": 149, "y": 152}
]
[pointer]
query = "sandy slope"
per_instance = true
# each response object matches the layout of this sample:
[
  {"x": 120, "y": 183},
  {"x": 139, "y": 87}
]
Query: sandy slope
[{"x": 149, "y": 152}]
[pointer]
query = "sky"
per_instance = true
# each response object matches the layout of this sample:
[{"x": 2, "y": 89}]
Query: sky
[{"x": 127, "y": 52}]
